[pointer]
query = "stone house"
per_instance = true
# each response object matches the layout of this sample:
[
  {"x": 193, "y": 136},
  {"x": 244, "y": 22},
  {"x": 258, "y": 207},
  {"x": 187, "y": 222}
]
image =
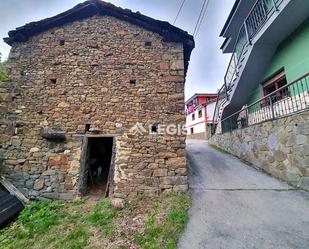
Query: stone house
[
  {"x": 79, "y": 82},
  {"x": 262, "y": 109}
]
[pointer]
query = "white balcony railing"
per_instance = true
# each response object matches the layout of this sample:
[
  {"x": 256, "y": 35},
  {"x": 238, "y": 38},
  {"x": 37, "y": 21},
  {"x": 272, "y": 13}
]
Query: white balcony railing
[{"x": 289, "y": 99}]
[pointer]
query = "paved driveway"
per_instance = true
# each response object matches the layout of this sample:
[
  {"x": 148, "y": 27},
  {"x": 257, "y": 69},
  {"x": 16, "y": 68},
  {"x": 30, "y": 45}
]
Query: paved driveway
[{"x": 237, "y": 207}]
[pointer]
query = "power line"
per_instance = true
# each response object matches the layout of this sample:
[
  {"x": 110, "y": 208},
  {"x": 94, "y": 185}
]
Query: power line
[
  {"x": 203, "y": 16},
  {"x": 181, "y": 6},
  {"x": 200, "y": 17}
]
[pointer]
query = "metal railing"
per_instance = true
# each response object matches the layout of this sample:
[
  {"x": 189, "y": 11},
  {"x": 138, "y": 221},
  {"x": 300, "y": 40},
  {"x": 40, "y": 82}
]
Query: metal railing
[
  {"x": 222, "y": 95},
  {"x": 261, "y": 11},
  {"x": 287, "y": 100}
]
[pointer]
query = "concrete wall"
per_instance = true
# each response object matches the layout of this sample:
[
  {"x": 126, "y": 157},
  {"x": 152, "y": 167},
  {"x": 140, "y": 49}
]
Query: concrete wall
[{"x": 280, "y": 147}]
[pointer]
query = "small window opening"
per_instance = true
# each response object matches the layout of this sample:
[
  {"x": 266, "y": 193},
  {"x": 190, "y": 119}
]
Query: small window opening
[
  {"x": 193, "y": 116},
  {"x": 87, "y": 127},
  {"x": 53, "y": 80},
  {"x": 154, "y": 129},
  {"x": 200, "y": 113},
  {"x": 61, "y": 42},
  {"x": 192, "y": 130},
  {"x": 148, "y": 44},
  {"x": 132, "y": 82}
]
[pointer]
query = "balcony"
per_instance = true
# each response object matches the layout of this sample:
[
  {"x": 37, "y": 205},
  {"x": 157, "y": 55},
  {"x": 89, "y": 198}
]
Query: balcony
[
  {"x": 258, "y": 16},
  {"x": 268, "y": 23},
  {"x": 287, "y": 100}
]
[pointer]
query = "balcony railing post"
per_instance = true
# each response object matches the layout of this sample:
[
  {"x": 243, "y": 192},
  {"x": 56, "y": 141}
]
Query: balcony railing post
[
  {"x": 236, "y": 66},
  {"x": 225, "y": 91},
  {"x": 247, "y": 118},
  {"x": 292, "y": 95},
  {"x": 271, "y": 107},
  {"x": 247, "y": 32},
  {"x": 275, "y": 5}
]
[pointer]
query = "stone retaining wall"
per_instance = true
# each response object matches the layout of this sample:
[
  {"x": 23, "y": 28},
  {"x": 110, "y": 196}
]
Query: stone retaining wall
[
  {"x": 280, "y": 147},
  {"x": 201, "y": 136}
]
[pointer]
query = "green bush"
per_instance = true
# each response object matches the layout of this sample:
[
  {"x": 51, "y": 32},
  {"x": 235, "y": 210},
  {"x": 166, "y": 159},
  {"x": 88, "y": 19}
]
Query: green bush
[{"x": 3, "y": 76}]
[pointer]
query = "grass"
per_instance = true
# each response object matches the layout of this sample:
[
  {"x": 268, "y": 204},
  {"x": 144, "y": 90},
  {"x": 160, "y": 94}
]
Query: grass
[
  {"x": 163, "y": 228},
  {"x": 217, "y": 148},
  {"x": 150, "y": 223}
]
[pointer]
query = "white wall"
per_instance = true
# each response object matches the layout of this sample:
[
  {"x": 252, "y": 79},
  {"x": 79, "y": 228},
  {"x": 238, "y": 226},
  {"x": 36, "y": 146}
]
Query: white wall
[
  {"x": 210, "y": 111},
  {"x": 198, "y": 124}
]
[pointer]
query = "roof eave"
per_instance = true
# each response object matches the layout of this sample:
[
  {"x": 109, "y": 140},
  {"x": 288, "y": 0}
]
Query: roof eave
[
  {"x": 90, "y": 8},
  {"x": 229, "y": 18}
]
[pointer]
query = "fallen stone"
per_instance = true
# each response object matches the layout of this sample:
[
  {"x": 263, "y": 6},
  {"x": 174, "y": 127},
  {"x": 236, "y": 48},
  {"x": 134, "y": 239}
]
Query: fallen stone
[{"x": 118, "y": 203}]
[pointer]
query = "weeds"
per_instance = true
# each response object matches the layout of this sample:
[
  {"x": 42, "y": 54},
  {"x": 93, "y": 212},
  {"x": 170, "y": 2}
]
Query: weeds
[
  {"x": 164, "y": 228},
  {"x": 73, "y": 226},
  {"x": 78, "y": 202},
  {"x": 217, "y": 148}
]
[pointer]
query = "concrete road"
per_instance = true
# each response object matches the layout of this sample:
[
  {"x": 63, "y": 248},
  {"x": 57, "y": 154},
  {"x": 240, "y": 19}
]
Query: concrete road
[{"x": 237, "y": 207}]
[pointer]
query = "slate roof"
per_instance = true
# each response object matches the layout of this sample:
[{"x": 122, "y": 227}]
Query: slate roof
[{"x": 90, "y": 8}]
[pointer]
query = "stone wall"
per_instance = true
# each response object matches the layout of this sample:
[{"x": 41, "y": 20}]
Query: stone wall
[
  {"x": 97, "y": 71},
  {"x": 280, "y": 147},
  {"x": 200, "y": 136}
]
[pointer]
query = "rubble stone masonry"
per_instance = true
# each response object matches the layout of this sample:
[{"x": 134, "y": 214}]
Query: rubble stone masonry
[
  {"x": 100, "y": 71},
  {"x": 279, "y": 147}
]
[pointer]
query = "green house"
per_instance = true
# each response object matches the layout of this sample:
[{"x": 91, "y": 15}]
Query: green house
[{"x": 268, "y": 75}]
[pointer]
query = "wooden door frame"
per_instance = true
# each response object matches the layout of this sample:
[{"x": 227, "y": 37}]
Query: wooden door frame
[{"x": 82, "y": 182}]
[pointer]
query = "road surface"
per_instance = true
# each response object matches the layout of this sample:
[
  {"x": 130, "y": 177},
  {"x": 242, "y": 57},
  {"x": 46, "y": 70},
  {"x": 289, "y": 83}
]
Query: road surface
[{"x": 237, "y": 207}]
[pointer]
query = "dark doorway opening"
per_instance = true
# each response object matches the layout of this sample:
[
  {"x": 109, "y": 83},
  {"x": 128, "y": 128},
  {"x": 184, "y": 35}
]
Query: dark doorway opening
[{"x": 96, "y": 172}]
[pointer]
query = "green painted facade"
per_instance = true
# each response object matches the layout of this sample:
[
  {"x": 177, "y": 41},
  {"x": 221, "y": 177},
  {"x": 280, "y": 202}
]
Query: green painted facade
[{"x": 292, "y": 55}]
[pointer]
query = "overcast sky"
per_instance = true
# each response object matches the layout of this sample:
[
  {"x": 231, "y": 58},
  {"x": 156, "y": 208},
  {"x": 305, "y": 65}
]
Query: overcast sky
[{"x": 207, "y": 65}]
